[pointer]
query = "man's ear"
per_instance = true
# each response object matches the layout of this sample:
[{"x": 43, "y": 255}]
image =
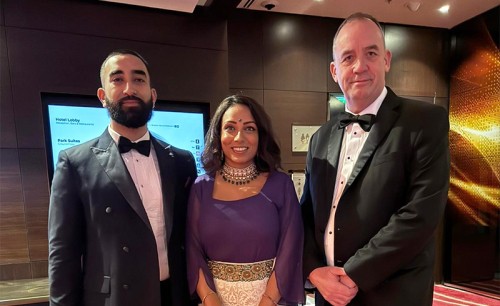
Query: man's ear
[
  {"x": 333, "y": 71},
  {"x": 101, "y": 94},
  {"x": 154, "y": 96},
  {"x": 387, "y": 59}
]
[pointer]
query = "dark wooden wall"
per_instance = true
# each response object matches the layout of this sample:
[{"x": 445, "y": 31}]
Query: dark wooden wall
[{"x": 281, "y": 60}]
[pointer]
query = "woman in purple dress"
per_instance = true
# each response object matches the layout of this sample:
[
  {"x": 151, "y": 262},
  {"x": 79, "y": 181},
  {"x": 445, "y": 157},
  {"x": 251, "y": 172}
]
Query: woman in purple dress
[{"x": 244, "y": 232}]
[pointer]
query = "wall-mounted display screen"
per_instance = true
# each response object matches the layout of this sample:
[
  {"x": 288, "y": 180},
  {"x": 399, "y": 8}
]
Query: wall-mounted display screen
[
  {"x": 73, "y": 119},
  {"x": 336, "y": 102}
]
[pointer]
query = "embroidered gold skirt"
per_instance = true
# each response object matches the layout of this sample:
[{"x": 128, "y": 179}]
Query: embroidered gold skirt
[{"x": 241, "y": 284}]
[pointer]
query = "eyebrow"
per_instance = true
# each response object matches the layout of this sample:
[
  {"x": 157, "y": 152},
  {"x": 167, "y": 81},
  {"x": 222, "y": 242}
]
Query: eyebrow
[
  {"x": 140, "y": 72},
  {"x": 372, "y": 47},
  {"x": 350, "y": 51},
  {"x": 246, "y": 122}
]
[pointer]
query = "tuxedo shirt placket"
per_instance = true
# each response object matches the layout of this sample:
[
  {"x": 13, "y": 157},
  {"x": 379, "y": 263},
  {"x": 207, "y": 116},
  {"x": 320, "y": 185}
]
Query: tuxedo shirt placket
[
  {"x": 352, "y": 143},
  {"x": 146, "y": 177}
]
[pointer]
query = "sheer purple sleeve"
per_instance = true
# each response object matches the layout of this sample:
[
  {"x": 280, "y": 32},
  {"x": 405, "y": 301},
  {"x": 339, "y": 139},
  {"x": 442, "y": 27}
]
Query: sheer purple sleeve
[
  {"x": 288, "y": 267},
  {"x": 196, "y": 255}
]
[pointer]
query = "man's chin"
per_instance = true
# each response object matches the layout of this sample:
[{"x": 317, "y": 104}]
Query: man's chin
[{"x": 133, "y": 124}]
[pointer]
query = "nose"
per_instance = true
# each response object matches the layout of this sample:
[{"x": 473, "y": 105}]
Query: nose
[
  {"x": 238, "y": 136},
  {"x": 359, "y": 65},
  {"x": 129, "y": 89}
]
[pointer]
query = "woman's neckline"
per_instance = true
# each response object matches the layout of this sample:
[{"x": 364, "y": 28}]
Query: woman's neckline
[{"x": 264, "y": 186}]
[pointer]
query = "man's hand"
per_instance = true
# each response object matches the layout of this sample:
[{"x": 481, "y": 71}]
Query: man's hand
[{"x": 334, "y": 285}]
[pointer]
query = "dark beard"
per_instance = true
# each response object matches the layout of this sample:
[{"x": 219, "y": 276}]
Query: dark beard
[{"x": 132, "y": 118}]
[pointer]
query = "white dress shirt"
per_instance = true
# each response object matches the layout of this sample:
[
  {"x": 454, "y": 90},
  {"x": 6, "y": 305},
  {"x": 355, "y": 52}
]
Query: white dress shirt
[
  {"x": 352, "y": 143},
  {"x": 145, "y": 173}
]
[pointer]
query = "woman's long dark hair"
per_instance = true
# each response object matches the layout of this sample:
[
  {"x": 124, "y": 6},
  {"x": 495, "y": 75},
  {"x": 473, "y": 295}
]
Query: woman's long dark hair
[{"x": 268, "y": 157}]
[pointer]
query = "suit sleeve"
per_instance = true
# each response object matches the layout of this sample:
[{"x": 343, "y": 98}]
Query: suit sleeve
[
  {"x": 288, "y": 267},
  {"x": 411, "y": 228},
  {"x": 313, "y": 256},
  {"x": 66, "y": 228}
]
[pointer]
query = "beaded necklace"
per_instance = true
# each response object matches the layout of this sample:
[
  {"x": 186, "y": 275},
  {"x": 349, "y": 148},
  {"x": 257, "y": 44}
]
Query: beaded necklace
[{"x": 239, "y": 176}]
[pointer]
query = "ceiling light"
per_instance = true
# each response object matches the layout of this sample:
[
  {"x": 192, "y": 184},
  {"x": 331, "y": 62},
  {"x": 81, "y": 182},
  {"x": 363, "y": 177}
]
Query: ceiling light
[{"x": 444, "y": 9}]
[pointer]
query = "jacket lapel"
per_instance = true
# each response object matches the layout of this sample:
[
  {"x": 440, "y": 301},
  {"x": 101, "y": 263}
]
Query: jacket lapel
[
  {"x": 111, "y": 161},
  {"x": 386, "y": 116},
  {"x": 166, "y": 159},
  {"x": 333, "y": 153}
]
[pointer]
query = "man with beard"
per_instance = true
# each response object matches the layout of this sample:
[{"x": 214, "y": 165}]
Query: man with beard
[{"x": 118, "y": 204}]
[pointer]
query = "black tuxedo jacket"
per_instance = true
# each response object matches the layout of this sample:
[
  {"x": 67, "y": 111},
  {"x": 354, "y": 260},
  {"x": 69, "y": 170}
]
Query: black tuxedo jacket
[
  {"x": 390, "y": 207},
  {"x": 102, "y": 250}
]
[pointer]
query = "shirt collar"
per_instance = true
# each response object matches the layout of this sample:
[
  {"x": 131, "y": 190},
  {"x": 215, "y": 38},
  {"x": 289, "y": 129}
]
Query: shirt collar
[{"x": 116, "y": 136}]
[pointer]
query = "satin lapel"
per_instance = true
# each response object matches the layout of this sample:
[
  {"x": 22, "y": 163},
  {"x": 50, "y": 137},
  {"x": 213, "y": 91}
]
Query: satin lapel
[
  {"x": 166, "y": 161},
  {"x": 334, "y": 146},
  {"x": 386, "y": 118},
  {"x": 111, "y": 161}
]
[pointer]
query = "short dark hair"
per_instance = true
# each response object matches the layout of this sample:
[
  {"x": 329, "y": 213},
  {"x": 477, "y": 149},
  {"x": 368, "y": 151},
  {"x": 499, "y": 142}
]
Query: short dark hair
[
  {"x": 123, "y": 52},
  {"x": 357, "y": 16},
  {"x": 268, "y": 157}
]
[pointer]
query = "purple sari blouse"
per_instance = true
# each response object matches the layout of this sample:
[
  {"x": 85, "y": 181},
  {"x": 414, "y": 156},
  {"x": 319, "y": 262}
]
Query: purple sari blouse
[{"x": 264, "y": 226}]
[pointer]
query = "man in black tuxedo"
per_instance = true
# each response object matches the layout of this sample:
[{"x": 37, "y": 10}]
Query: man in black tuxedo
[
  {"x": 376, "y": 183},
  {"x": 118, "y": 204}
]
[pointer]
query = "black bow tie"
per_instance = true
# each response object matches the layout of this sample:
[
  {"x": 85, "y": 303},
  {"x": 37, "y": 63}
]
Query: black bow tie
[
  {"x": 125, "y": 145},
  {"x": 365, "y": 121}
]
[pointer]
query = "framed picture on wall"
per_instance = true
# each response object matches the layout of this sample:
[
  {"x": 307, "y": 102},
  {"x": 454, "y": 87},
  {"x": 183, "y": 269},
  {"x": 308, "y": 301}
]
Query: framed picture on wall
[{"x": 301, "y": 134}]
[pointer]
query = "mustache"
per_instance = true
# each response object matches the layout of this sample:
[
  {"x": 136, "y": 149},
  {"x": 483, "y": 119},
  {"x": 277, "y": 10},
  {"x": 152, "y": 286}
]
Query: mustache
[{"x": 130, "y": 98}]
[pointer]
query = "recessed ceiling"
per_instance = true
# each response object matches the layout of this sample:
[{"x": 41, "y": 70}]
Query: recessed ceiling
[
  {"x": 186, "y": 6},
  {"x": 410, "y": 12},
  {"x": 387, "y": 11}
]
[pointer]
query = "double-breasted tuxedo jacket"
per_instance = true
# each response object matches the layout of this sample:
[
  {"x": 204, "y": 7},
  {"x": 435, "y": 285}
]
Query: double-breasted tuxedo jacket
[
  {"x": 392, "y": 203},
  {"x": 102, "y": 250}
]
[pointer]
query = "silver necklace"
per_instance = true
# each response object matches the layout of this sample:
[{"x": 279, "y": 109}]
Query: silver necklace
[{"x": 237, "y": 176}]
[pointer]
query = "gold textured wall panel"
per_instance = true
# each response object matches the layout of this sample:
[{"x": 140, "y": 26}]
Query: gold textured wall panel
[{"x": 475, "y": 132}]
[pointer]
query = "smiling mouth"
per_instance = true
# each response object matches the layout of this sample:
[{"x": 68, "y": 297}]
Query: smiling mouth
[
  {"x": 239, "y": 149},
  {"x": 130, "y": 99},
  {"x": 364, "y": 81},
  {"x": 130, "y": 102}
]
